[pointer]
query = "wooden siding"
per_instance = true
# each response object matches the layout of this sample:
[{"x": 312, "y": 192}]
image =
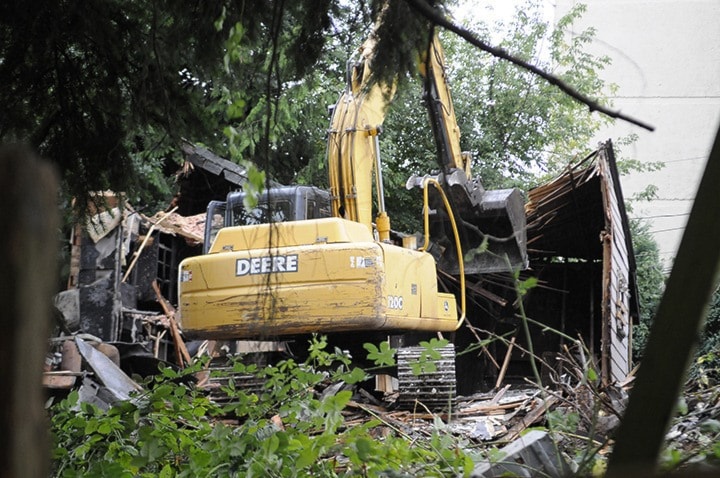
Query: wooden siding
[{"x": 616, "y": 296}]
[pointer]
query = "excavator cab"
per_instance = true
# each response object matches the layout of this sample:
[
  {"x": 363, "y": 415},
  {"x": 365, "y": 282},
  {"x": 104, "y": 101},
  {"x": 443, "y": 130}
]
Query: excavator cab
[{"x": 278, "y": 204}]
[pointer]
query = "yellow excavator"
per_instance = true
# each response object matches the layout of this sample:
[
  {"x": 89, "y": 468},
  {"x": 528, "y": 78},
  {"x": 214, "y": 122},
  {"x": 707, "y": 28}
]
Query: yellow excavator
[{"x": 282, "y": 270}]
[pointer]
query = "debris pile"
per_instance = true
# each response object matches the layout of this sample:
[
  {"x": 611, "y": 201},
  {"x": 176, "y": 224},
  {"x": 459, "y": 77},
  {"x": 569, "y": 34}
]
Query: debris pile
[
  {"x": 695, "y": 432},
  {"x": 93, "y": 368}
]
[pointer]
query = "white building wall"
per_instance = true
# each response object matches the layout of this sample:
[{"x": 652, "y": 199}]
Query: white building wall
[{"x": 666, "y": 62}]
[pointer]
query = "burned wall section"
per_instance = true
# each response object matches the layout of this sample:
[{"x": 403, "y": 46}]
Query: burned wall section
[
  {"x": 123, "y": 283},
  {"x": 120, "y": 256},
  {"x": 96, "y": 295}
]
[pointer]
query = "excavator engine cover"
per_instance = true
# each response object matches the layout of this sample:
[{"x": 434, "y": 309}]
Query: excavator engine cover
[{"x": 311, "y": 276}]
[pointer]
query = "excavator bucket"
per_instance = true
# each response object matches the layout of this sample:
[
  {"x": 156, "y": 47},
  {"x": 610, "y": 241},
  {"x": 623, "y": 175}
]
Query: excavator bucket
[
  {"x": 500, "y": 220},
  {"x": 491, "y": 225}
]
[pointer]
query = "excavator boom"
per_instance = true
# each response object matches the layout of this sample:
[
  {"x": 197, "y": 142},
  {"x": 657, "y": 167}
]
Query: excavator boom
[{"x": 353, "y": 149}]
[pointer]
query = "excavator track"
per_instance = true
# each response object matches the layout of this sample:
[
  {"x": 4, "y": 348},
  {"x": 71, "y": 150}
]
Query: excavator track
[
  {"x": 221, "y": 373},
  {"x": 432, "y": 390}
]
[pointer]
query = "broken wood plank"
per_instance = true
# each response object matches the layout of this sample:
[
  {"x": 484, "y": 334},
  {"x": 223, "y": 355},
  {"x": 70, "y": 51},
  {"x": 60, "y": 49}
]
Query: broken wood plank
[
  {"x": 506, "y": 362},
  {"x": 59, "y": 380},
  {"x": 500, "y": 394},
  {"x": 181, "y": 352},
  {"x": 534, "y": 416},
  {"x": 136, "y": 254},
  {"x": 491, "y": 409}
]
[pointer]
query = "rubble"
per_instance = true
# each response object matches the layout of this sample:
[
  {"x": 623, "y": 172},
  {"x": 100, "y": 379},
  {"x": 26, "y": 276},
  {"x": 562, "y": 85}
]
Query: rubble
[
  {"x": 695, "y": 431},
  {"x": 531, "y": 455},
  {"x": 108, "y": 373},
  {"x": 93, "y": 368}
]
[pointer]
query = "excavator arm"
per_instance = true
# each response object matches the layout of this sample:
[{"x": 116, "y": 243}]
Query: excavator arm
[
  {"x": 493, "y": 222},
  {"x": 440, "y": 108}
]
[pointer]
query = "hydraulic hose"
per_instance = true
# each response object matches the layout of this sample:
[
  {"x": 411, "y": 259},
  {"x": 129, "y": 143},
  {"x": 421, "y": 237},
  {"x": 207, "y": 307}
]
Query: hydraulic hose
[{"x": 426, "y": 223}]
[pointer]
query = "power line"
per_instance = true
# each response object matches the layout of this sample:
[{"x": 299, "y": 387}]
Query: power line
[
  {"x": 668, "y": 230},
  {"x": 667, "y": 97},
  {"x": 672, "y": 199},
  {"x": 694, "y": 158},
  {"x": 662, "y": 215}
]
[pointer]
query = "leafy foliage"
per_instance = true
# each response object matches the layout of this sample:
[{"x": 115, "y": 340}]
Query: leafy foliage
[
  {"x": 707, "y": 361},
  {"x": 517, "y": 124},
  {"x": 428, "y": 356},
  {"x": 113, "y": 89},
  {"x": 650, "y": 280},
  {"x": 89, "y": 85},
  {"x": 383, "y": 355},
  {"x": 286, "y": 429},
  {"x": 108, "y": 90}
]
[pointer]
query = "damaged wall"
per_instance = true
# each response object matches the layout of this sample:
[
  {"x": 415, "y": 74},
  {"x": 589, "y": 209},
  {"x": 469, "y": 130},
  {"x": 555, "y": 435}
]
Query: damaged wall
[
  {"x": 123, "y": 262},
  {"x": 579, "y": 234}
]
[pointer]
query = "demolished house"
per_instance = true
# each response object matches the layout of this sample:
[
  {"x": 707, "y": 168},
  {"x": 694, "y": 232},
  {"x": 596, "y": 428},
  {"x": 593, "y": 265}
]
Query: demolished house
[
  {"x": 581, "y": 253},
  {"x": 124, "y": 271}
]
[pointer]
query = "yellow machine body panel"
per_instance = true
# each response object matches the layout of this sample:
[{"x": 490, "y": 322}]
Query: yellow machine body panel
[{"x": 321, "y": 275}]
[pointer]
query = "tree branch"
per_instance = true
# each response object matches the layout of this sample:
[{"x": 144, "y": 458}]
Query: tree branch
[{"x": 438, "y": 18}]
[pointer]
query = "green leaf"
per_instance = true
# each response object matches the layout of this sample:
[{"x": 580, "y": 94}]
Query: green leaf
[
  {"x": 306, "y": 458},
  {"x": 219, "y": 22},
  {"x": 91, "y": 426},
  {"x": 525, "y": 286},
  {"x": 253, "y": 187},
  {"x": 356, "y": 375},
  {"x": 236, "y": 109},
  {"x": 105, "y": 428},
  {"x": 481, "y": 249},
  {"x": 166, "y": 472},
  {"x": 495, "y": 455},
  {"x": 271, "y": 444},
  {"x": 364, "y": 448},
  {"x": 152, "y": 450},
  {"x": 384, "y": 356}
]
